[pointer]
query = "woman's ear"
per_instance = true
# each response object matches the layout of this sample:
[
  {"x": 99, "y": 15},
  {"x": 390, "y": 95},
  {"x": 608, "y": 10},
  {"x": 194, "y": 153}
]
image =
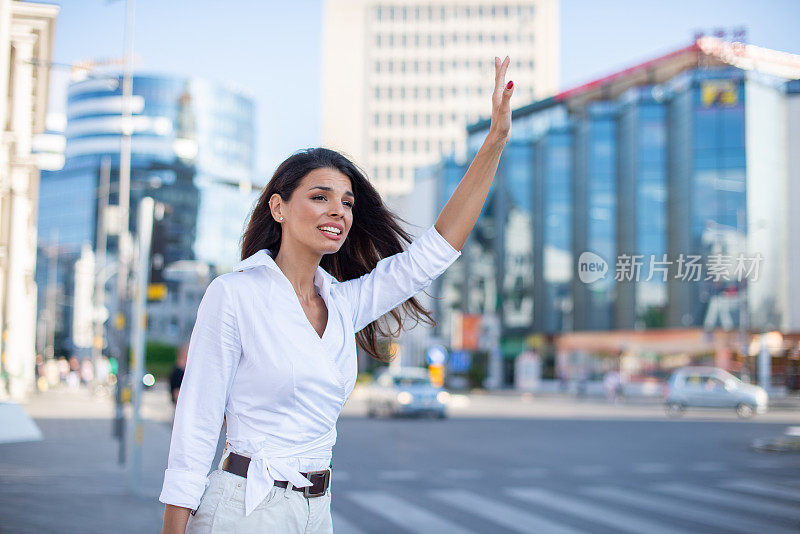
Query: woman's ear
[{"x": 275, "y": 207}]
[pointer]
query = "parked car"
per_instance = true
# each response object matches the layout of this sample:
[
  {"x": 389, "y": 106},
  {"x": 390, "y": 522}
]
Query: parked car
[
  {"x": 712, "y": 387},
  {"x": 406, "y": 391}
]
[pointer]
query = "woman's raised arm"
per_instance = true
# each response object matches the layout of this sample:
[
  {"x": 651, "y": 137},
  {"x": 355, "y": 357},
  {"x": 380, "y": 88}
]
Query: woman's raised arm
[{"x": 461, "y": 212}]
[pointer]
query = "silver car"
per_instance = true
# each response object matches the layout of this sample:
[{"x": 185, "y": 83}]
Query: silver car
[
  {"x": 712, "y": 387},
  {"x": 406, "y": 391}
]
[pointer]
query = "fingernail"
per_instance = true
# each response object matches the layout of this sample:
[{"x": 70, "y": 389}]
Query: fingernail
[{"x": 510, "y": 85}]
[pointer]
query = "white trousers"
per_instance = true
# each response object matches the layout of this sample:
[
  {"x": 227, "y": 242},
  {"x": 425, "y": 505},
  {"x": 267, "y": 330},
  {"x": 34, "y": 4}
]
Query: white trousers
[{"x": 283, "y": 510}]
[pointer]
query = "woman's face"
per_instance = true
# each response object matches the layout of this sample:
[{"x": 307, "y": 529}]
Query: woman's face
[{"x": 324, "y": 199}]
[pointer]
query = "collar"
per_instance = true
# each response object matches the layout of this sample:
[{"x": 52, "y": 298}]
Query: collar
[{"x": 264, "y": 258}]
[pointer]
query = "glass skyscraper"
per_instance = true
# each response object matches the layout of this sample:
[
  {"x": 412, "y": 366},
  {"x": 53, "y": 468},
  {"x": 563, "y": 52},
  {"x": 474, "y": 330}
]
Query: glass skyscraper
[
  {"x": 671, "y": 165},
  {"x": 193, "y": 145}
]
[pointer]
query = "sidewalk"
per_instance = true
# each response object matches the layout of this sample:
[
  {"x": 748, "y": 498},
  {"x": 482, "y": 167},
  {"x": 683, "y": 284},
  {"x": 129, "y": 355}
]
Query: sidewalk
[{"x": 71, "y": 481}]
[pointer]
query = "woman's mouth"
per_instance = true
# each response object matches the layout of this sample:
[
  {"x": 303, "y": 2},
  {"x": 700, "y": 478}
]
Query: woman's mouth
[{"x": 330, "y": 232}]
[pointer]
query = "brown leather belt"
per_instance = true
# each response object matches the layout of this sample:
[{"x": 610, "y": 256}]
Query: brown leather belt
[{"x": 238, "y": 464}]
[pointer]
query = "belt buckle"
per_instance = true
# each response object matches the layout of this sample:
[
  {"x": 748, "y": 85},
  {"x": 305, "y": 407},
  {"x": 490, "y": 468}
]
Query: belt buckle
[{"x": 325, "y": 474}]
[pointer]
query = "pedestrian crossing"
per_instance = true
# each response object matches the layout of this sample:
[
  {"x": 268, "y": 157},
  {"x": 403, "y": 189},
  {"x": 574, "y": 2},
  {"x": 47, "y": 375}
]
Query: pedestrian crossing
[{"x": 727, "y": 505}]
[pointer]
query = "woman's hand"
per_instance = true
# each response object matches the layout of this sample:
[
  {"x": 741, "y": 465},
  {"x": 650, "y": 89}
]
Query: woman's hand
[{"x": 500, "y": 127}]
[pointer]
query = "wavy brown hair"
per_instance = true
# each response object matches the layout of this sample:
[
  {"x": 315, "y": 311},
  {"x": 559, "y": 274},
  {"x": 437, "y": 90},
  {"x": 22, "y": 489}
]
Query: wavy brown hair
[{"x": 374, "y": 234}]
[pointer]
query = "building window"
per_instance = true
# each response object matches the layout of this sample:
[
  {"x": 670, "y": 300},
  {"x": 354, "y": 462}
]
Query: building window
[
  {"x": 389, "y": 146},
  {"x": 388, "y": 119},
  {"x": 376, "y": 119},
  {"x": 376, "y": 145},
  {"x": 414, "y": 119},
  {"x": 402, "y": 93},
  {"x": 414, "y": 145},
  {"x": 402, "y": 145},
  {"x": 427, "y": 119},
  {"x": 441, "y": 93},
  {"x": 377, "y": 66},
  {"x": 402, "y": 118},
  {"x": 441, "y": 119},
  {"x": 378, "y": 39}
]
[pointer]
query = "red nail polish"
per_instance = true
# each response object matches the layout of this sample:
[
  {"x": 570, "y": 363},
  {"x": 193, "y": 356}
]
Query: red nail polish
[{"x": 510, "y": 85}]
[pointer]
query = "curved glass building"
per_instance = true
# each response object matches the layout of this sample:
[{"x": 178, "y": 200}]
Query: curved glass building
[{"x": 192, "y": 149}]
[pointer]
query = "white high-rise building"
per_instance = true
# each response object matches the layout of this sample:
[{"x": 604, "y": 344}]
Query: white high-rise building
[
  {"x": 401, "y": 79},
  {"x": 26, "y": 44}
]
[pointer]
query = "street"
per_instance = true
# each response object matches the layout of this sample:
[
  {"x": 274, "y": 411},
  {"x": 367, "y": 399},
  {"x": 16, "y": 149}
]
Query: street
[{"x": 583, "y": 470}]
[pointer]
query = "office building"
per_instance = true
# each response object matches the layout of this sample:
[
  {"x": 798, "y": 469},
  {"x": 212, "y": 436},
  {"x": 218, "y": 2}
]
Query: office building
[
  {"x": 647, "y": 213},
  {"x": 193, "y": 146},
  {"x": 402, "y": 79},
  {"x": 26, "y": 43}
]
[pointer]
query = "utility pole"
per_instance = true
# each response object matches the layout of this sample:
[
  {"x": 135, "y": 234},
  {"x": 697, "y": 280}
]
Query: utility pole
[
  {"x": 52, "y": 289},
  {"x": 100, "y": 254},
  {"x": 144, "y": 233},
  {"x": 124, "y": 238}
]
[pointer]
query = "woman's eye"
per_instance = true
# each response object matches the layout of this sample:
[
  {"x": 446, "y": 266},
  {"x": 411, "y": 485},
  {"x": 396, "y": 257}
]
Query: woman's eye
[{"x": 347, "y": 202}]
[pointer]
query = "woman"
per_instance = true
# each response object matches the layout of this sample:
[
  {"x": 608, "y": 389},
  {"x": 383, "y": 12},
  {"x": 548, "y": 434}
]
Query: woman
[{"x": 273, "y": 348}]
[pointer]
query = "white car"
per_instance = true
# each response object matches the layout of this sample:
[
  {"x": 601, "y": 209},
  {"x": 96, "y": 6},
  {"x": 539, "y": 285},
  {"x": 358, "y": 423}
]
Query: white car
[
  {"x": 712, "y": 387},
  {"x": 406, "y": 391}
]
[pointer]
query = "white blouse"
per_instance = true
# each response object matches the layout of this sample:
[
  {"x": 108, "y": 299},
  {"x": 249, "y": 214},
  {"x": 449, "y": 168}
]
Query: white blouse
[{"x": 254, "y": 356}]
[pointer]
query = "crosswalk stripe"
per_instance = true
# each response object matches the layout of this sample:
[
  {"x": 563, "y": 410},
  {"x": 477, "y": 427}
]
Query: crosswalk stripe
[
  {"x": 502, "y": 514},
  {"x": 398, "y": 475},
  {"x": 527, "y": 472},
  {"x": 586, "y": 510},
  {"x": 463, "y": 474},
  {"x": 752, "y": 486},
  {"x": 729, "y": 521},
  {"x": 728, "y": 498},
  {"x": 589, "y": 470},
  {"x": 651, "y": 468},
  {"x": 340, "y": 476},
  {"x": 343, "y": 526},
  {"x": 405, "y": 514},
  {"x": 705, "y": 467}
]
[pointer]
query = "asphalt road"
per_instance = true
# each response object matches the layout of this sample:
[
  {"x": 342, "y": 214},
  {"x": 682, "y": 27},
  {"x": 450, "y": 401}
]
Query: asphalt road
[
  {"x": 551, "y": 475},
  {"x": 535, "y": 465}
]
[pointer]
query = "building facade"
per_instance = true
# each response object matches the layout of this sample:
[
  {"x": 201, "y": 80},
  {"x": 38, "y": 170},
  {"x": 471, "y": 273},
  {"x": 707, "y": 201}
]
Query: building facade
[
  {"x": 192, "y": 149},
  {"x": 650, "y": 201},
  {"x": 26, "y": 42},
  {"x": 402, "y": 79}
]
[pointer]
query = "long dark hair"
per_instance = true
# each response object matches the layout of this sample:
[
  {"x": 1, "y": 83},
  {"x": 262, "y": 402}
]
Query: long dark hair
[{"x": 375, "y": 234}]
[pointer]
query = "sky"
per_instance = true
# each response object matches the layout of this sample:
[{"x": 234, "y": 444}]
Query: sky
[{"x": 273, "y": 48}]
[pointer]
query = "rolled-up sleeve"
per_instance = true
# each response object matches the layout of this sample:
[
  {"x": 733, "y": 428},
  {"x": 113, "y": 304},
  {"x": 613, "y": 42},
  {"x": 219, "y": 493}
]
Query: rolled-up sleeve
[
  {"x": 397, "y": 278},
  {"x": 214, "y": 352}
]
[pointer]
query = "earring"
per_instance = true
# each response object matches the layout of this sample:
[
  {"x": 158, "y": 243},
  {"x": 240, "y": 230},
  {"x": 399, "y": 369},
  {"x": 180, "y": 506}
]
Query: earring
[{"x": 280, "y": 218}]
